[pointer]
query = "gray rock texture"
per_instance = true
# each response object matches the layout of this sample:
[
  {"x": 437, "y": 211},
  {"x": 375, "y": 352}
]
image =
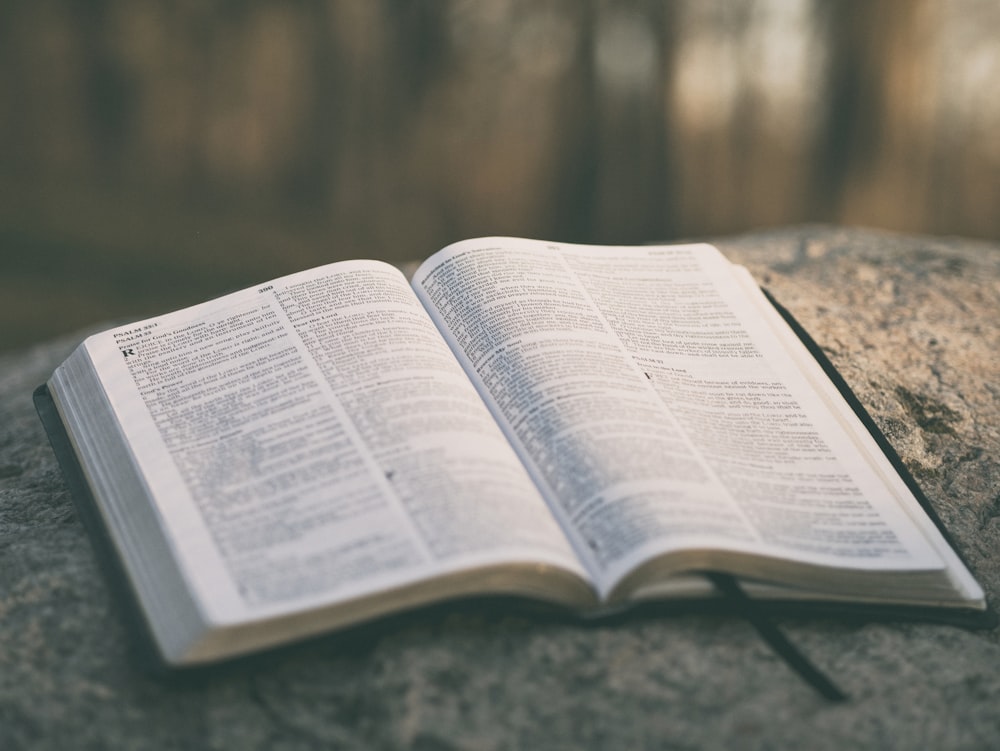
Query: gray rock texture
[{"x": 912, "y": 324}]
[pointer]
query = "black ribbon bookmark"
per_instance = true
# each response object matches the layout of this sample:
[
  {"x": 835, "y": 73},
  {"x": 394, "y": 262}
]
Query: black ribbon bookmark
[{"x": 775, "y": 638}]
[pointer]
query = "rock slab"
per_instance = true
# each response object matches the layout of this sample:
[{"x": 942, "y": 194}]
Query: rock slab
[{"x": 911, "y": 323}]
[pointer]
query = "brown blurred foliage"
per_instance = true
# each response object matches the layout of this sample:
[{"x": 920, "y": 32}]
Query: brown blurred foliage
[{"x": 153, "y": 153}]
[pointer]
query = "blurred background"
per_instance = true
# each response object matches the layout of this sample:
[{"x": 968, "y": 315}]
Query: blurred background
[{"x": 154, "y": 153}]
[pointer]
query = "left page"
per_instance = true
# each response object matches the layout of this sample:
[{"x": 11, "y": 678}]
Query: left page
[{"x": 314, "y": 440}]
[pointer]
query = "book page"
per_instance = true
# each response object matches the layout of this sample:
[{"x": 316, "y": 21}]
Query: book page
[
  {"x": 314, "y": 440},
  {"x": 658, "y": 410}
]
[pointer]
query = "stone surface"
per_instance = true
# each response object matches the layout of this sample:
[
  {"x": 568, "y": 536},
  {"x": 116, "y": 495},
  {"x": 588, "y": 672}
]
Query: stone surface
[{"x": 911, "y": 322}]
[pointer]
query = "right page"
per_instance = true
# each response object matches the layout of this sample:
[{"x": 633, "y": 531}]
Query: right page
[{"x": 670, "y": 424}]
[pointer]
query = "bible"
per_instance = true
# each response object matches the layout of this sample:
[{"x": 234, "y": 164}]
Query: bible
[{"x": 589, "y": 427}]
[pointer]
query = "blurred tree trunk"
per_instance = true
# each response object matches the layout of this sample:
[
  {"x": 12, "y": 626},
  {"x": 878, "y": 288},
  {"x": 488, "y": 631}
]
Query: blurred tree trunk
[
  {"x": 630, "y": 62},
  {"x": 875, "y": 152}
]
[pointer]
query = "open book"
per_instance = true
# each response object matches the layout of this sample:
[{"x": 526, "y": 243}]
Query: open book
[{"x": 587, "y": 426}]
